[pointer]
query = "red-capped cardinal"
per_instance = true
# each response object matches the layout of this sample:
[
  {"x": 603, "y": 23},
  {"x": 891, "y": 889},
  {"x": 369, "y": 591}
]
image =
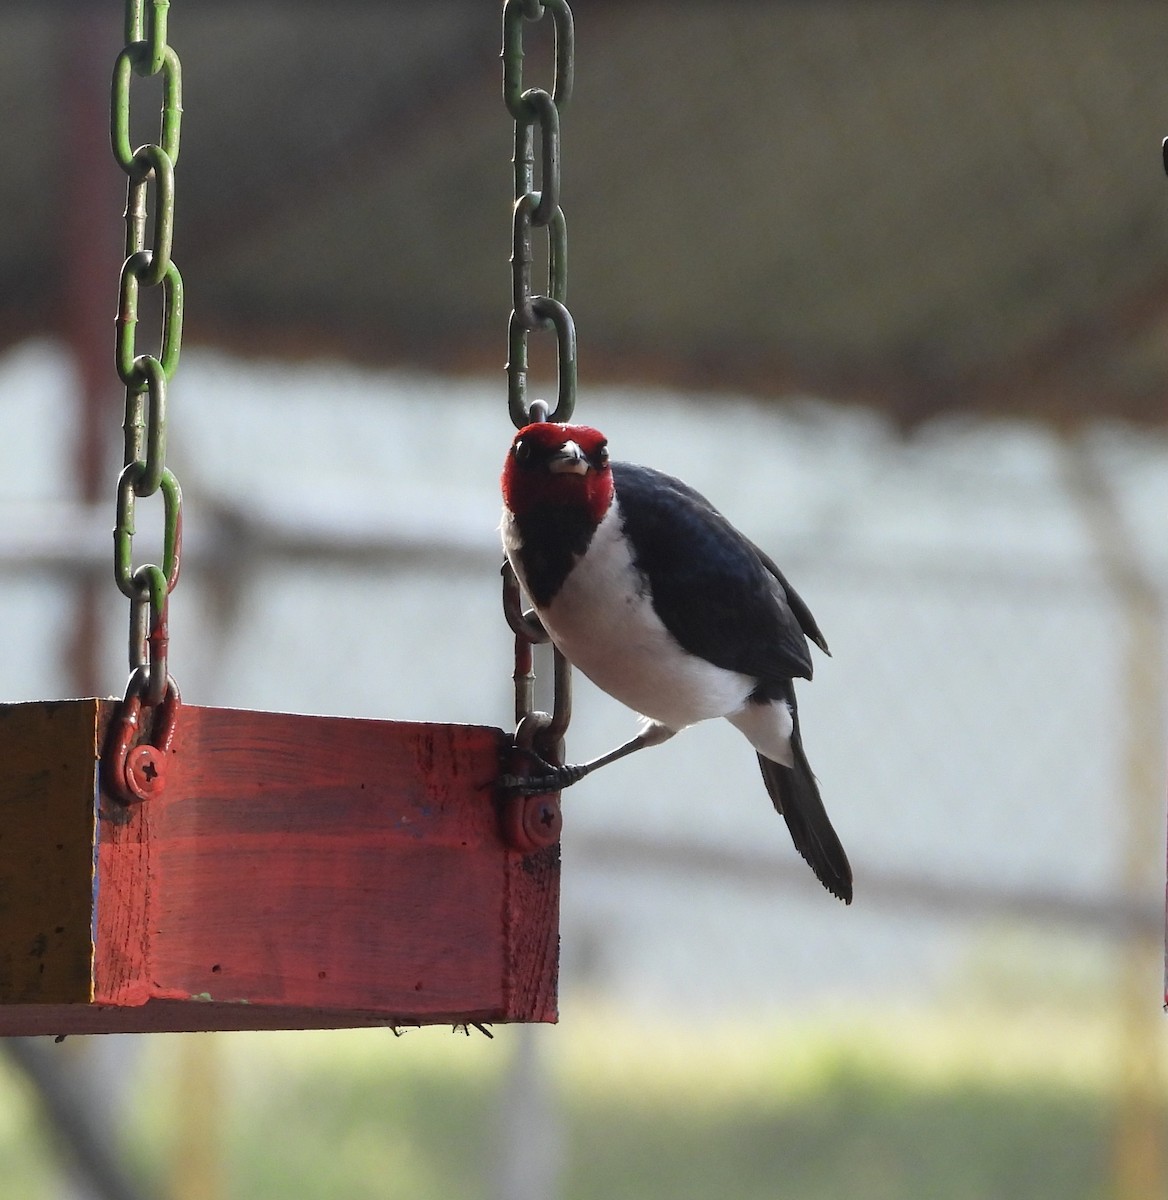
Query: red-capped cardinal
[{"x": 659, "y": 600}]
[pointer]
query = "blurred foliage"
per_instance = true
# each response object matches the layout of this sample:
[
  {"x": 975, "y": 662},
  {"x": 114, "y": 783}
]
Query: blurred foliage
[
  {"x": 26, "y": 1151},
  {"x": 884, "y": 1104}
]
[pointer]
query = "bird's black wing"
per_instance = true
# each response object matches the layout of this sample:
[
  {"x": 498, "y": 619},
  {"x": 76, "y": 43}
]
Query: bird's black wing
[
  {"x": 798, "y": 605},
  {"x": 711, "y": 587}
]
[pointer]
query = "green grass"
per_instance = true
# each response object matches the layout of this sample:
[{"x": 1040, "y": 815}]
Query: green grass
[
  {"x": 896, "y": 1108},
  {"x": 26, "y": 1150},
  {"x": 915, "y": 1106},
  {"x": 856, "y": 1136}
]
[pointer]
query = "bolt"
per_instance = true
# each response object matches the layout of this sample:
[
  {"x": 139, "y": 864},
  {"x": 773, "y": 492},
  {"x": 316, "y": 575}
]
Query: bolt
[
  {"x": 145, "y": 772},
  {"x": 542, "y": 820}
]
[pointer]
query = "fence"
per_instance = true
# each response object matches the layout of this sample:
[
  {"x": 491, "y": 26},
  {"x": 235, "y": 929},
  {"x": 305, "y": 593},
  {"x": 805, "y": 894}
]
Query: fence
[{"x": 988, "y": 733}]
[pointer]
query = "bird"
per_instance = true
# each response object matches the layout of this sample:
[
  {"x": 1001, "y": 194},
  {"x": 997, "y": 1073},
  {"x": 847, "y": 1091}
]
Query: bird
[{"x": 655, "y": 596}]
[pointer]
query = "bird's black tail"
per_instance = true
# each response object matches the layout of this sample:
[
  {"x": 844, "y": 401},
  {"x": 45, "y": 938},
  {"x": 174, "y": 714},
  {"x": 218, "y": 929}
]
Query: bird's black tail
[{"x": 795, "y": 794}]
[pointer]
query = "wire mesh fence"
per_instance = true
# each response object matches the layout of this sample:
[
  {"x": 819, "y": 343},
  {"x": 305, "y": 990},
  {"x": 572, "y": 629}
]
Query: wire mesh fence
[
  {"x": 984, "y": 1020},
  {"x": 936, "y": 207}
]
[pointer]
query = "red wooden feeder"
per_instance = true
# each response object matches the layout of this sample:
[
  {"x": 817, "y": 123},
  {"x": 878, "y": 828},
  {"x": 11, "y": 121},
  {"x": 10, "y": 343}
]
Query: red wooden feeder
[
  {"x": 293, "y": 872},
  {"x": 185, "y": 868}
]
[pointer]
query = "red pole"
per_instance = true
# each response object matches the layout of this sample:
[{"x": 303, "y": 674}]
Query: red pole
[{"x": 88, "y": 275}]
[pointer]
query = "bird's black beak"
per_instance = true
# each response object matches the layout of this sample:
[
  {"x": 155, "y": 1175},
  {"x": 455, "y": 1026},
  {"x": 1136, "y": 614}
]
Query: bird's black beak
[{"x": 568, "y": 460}]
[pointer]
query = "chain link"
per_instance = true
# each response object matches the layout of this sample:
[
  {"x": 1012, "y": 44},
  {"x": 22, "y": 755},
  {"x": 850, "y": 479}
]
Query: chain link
[
  {"x": 150, "y": 193},
  {"x": 538, "y": 208},
  {"x": 538, "y": 732}
]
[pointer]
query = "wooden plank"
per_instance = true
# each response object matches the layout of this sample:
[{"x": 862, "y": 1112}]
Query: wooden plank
[
  {"x": 312, "y": 871},
  {"x": 47, "y": 832},
  {"x": 185, "y": 1016},
  {"x": 531, "y": 922}
]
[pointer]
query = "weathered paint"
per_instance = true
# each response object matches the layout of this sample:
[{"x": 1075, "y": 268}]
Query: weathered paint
[
  {"x": 295, "y": 872},
  {"x": 47, "y": 852}
]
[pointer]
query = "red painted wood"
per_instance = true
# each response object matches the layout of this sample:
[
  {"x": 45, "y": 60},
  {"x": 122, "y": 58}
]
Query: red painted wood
[
  {"x": 185, "y": 1016},
  {"x": 314, "y": 871}
]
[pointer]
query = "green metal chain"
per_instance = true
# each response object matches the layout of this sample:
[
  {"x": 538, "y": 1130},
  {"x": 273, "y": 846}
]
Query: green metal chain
[
  {"x": 538, "y": 731},
  {"x": 538, "y": 209},
  {"x": 150, "y": 191}
]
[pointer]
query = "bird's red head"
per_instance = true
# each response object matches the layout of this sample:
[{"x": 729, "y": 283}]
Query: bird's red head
[{"x": 558, "y": 464}]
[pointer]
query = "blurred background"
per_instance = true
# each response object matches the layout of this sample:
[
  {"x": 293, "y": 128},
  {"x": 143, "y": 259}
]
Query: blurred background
[{"x": 886, "y": 281}]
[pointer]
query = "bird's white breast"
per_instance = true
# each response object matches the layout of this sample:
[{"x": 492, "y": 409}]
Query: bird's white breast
[{"x": 603, "y": 620}]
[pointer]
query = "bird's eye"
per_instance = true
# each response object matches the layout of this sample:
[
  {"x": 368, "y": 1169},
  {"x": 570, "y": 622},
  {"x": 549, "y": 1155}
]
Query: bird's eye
[
  {"x": 523, "y": 451},
  {"x": 600, "y": 455}
]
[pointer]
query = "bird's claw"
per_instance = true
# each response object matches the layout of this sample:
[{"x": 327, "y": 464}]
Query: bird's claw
[
  {"x": 530, "y": 785},
  {"x": 548, "y": 777}
]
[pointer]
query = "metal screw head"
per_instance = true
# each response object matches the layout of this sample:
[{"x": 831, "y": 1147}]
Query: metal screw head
[
  {"x": 145, "y": 772},
  {"x": 531, "y": 823},
  {"x": 542, "y": 820}
]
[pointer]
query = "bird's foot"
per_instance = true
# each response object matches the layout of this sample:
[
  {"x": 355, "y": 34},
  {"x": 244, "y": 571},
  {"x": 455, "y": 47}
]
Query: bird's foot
[{"x": 547, "y": 777}]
